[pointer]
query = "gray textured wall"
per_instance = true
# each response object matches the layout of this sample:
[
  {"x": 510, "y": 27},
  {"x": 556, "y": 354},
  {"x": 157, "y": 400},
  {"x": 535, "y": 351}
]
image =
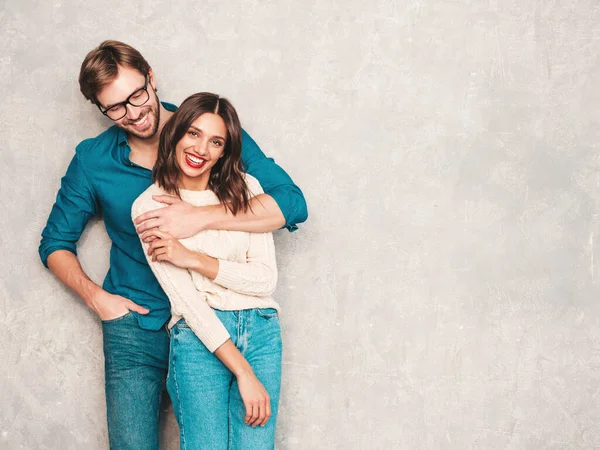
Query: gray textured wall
[{"x": 444, "y": 293}]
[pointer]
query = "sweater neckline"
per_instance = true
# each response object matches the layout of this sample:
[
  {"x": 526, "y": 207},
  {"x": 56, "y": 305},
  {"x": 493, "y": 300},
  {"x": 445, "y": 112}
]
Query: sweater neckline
[{"x": 196, "y": 195}]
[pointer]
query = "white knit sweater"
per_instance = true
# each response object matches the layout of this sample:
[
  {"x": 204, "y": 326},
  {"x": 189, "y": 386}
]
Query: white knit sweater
[{"x": 247, "y": 270}]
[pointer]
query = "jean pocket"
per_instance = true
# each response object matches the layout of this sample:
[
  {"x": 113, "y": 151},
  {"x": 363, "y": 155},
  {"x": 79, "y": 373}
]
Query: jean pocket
[
  {"x": 181, "y": 324},
  {"x": 117, "y": 319},
  {"x": 267, "y": 313}
]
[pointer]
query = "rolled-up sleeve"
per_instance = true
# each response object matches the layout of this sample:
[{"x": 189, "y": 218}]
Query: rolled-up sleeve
[
  {"x": 275, "y": 182},
  {"x": 75, "y": 204}
]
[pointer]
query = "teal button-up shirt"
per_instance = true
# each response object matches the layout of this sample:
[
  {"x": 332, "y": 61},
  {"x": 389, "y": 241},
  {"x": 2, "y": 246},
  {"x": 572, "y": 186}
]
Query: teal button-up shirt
[{"x": 102, "y": 180}]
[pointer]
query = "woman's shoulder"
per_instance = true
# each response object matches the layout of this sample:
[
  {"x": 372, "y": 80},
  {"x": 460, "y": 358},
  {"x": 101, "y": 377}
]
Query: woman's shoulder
[
  {"x": 145, "y": 202},
  {"x": 253, "y": 185}
]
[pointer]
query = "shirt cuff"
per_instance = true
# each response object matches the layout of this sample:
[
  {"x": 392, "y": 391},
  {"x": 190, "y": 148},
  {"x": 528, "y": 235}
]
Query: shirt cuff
[{"x": 45, "y": 252}]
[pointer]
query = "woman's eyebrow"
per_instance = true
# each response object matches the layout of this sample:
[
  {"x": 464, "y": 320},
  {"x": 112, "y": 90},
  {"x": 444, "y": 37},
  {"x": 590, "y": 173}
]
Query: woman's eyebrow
[{"x": 200, "y": 131}]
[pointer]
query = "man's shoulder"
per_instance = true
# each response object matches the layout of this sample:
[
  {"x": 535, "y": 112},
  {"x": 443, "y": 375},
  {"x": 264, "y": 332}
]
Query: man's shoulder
[{"x": 92, "y": 149}]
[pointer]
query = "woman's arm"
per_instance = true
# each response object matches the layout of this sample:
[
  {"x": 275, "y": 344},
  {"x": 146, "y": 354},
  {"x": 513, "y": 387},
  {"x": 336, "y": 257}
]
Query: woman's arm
[
  {"x": 189, "y": 302},
  {"x": 170, "y": 269},
  {"x": 179, "y": 287},
  {"x": 203, "y": 321},
  {"x": 257, "y": 276},
  {"x": 255, "y": 397}
]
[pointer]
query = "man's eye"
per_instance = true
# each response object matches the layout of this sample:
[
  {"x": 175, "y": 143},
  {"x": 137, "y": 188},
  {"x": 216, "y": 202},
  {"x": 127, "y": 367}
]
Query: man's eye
[
  {"x": 115, "y": 108},
  {"x": 137, "y": 95}
]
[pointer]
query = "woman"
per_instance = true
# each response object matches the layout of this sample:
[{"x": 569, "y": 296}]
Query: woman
[{"x": 225, "y": 355}]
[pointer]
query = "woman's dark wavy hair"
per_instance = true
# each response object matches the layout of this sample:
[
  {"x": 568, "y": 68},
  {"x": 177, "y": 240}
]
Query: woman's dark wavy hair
[{"x": 227, "y": 175}]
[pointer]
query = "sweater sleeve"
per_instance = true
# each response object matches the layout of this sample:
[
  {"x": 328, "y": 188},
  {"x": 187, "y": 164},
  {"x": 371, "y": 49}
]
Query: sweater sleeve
[
  {"x": 183, "y": 295},
  {"x": 256, "y": 276}
]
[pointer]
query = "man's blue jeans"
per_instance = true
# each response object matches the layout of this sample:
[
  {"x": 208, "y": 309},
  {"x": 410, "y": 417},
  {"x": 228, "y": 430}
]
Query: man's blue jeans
[
  {"x": 136, "y": 363},
  {"x": 205, "y": 394}
]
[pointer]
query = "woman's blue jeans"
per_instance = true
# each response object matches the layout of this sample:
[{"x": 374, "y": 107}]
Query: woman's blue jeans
[{"x": 204, "y": 393}]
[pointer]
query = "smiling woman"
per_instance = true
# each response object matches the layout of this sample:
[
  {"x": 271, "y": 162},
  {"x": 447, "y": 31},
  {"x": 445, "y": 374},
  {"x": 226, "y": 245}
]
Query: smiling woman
[
  {"x": 200, "y": 149},
  {"x": 204, "y": 127},
  {"x": 219, "y": 284}
]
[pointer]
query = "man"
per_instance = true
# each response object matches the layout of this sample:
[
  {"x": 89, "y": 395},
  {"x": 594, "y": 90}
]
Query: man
[{"x": 105, "y": 176}]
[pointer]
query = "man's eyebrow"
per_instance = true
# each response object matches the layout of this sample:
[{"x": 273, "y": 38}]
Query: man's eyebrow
[
  {"x": 120, "y": 103},
  {"x": 200, "y": 131}
]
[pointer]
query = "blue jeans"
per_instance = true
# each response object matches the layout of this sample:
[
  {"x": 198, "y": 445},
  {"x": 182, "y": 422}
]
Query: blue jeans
[
  {"x": 204, "y": 393},
  {"x": 136, "y": 364}
]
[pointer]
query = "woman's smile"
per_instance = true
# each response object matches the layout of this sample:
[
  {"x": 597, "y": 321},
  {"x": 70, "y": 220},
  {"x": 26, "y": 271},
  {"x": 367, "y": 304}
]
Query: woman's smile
[{"x": 194, "y": 161}]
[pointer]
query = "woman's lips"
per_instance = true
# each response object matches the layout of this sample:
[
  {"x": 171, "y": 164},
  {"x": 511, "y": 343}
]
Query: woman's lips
[{"x": 194, "y": 162}]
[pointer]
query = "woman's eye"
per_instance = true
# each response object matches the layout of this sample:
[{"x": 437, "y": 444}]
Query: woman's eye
[
  {"x": 193, "y": 133},
  {"x": 217, "y": 143}
]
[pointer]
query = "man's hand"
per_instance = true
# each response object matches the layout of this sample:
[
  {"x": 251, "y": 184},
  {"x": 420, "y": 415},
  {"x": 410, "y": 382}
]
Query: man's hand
[
  {"x": 255, "y": 398},
  {"x": 164, "y": 247},
  {"x": 177, "y": 219},
  {"x": 109, "y": 306}
]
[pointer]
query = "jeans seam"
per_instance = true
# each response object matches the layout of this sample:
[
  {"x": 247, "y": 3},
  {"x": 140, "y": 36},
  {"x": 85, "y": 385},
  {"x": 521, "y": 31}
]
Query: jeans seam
[
  {"x": 181, "y": 425},
  {"x": 239, "y": 332},
  {"x": 160, "y": 392},
  {"x": 230, "y": 428}
]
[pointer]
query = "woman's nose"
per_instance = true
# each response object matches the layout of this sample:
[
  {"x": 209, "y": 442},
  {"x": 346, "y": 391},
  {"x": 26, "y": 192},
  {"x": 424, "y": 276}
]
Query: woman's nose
[{"x": 203, "y": 148}]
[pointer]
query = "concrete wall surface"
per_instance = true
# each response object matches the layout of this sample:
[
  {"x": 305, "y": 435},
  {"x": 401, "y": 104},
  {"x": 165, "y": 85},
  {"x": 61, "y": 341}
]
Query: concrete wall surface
[{"x": 444, "y": 293}]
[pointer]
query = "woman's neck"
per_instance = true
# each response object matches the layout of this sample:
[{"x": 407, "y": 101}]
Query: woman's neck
[{"x": 195, "y": 184}]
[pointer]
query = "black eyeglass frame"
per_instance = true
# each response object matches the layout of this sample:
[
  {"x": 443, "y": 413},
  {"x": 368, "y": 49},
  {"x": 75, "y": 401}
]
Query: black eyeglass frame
[{"x": 127, "y": 102}]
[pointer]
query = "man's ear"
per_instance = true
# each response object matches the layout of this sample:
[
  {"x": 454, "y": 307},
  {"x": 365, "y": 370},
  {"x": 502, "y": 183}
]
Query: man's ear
[{"x": 152, "y": 79}]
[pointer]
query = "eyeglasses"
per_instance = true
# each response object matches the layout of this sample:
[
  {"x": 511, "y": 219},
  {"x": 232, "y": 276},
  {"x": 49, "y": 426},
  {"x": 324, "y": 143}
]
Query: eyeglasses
[{"x": 138, "y": 98}]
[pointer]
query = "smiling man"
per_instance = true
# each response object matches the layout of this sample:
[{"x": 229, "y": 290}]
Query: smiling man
[{"x": 106, "y": 175}]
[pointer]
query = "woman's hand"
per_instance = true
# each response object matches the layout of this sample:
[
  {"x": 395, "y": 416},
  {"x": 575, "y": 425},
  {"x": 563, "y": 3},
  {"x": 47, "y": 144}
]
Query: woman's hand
[
  {"x": 165, "y": 247},
  {"x": 255, "y": 398}
]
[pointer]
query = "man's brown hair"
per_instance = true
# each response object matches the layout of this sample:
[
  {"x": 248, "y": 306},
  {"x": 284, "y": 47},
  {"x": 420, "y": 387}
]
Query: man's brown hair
[{"x": 101, "y": 66}]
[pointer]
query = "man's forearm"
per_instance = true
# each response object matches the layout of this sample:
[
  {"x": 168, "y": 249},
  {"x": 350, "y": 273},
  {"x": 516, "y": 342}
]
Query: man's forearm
[
  {"x": 66, "y": 267},
  {"x": 263, "y": 216}
]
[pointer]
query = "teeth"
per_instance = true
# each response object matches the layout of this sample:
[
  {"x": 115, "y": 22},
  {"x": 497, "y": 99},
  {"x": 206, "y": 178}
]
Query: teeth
[
  {"x": 195, "y": 159},
  {"x": 139, "y": 122}
]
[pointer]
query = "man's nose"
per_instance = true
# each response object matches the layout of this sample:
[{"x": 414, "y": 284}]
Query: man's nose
[{"x": 132, "y": 111}]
